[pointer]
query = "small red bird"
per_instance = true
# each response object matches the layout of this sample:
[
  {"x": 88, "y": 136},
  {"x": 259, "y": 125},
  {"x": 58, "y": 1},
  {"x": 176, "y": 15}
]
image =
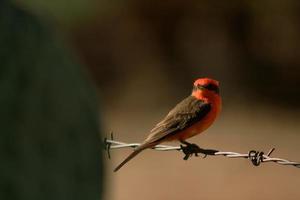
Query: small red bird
[{"x": 190, "y": 117}]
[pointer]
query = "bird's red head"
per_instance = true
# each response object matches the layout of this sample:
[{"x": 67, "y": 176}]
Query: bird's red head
[
  {"x": 206, "y": 81},
  {"x": 206, "y": 86}
]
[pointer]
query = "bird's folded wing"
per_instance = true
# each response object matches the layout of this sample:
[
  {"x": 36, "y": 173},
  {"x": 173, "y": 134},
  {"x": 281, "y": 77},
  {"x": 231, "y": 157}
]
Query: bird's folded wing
[{"x": 185, "y": 114}]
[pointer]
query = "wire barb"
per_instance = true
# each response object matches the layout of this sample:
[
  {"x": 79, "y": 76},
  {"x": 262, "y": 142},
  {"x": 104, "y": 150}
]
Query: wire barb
[
  {"x": 256, "y": 157},
  {"x": 191, "y": 149},
  {"x": 107, "y": 145}
]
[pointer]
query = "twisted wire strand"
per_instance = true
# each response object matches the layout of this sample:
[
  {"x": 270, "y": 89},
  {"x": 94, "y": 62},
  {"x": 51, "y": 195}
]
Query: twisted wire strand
[{"x": 256, "y": 157}]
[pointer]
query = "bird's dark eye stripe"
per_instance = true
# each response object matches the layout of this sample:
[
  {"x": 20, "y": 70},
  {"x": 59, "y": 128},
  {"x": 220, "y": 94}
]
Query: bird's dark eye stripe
[{"x": 212, "y": 87}]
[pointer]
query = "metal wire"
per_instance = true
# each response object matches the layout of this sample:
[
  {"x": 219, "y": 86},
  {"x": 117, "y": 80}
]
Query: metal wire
[{"x": 256, "y": 157}]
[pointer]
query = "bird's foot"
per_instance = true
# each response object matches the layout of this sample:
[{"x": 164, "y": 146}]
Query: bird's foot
[{"x": 193, "y": 149}]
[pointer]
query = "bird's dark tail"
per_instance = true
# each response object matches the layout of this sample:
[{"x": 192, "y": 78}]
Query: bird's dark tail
[{"x": 132, "y": 155}]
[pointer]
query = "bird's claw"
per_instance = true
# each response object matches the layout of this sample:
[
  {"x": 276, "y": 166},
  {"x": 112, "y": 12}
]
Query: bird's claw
[{"x": 193, "y": 149}]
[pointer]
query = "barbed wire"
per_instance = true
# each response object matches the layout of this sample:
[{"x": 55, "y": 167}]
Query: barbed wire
[{"x": 256, "y": 157}]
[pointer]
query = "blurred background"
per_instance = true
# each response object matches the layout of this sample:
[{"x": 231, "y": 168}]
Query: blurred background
[{"x": 143, "y": 56}]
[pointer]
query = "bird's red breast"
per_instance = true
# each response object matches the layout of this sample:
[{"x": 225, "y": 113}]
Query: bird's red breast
[
  {"x": 204, "y": 123},
  {"x": 207, "y": 96}
]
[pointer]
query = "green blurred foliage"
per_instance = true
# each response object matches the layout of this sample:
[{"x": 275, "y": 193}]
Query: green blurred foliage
[
  {"x": 70, "y": 13},
  {"x": 65, "y": 11},
  {"x": 49, "y": 141}
]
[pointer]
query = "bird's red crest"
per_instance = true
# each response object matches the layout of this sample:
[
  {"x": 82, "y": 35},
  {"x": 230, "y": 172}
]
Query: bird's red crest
[{"x": 206, "y": 81}]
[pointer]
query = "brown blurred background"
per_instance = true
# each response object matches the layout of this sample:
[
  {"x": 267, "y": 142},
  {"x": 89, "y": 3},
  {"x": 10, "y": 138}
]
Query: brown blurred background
[{"x": 144, "y": 55}]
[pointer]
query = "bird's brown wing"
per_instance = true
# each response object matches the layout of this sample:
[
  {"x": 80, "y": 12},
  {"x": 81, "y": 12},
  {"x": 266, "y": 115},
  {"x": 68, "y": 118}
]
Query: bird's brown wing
[{"x": 185, "y": 114}]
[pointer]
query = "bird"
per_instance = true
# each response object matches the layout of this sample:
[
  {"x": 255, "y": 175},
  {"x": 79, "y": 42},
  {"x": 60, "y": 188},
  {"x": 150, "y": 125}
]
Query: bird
[{"x": 190, "y": 117}]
